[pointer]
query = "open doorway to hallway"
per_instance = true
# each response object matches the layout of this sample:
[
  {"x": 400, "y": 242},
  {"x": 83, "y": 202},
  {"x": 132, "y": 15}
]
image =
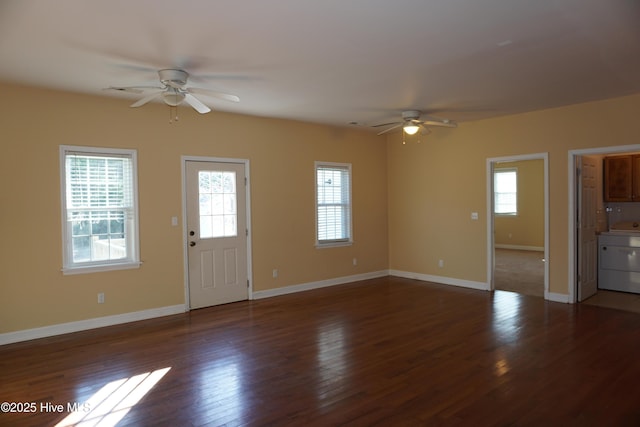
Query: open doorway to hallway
[{"x": 518, "y": 224}]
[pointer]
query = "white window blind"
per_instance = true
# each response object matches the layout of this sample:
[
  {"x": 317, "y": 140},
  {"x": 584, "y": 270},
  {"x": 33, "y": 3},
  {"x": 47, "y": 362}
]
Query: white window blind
[
  {"x": 333, "y": 203},
  {"x": 505, "y": 191},
  {"x": 99, "y": 204}
]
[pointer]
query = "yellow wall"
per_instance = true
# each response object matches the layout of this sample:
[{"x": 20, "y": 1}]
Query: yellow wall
[
  {"x": 526, "y": 229},
  {"x": 412, "y": 203},
  {"x": 435, "y": 185},
  {"x": 34, "y": 123}
]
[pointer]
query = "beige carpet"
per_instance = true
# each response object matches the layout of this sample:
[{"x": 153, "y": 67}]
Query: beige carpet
[
  {"x": 523, "y": 272},
  {"x": 519, "y": 271}
]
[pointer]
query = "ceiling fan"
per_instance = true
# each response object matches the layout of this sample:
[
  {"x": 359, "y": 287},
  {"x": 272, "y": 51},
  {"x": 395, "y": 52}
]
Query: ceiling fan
[
  {"x": 173, "y": 91},
  {"x": 411, "y": 123}
]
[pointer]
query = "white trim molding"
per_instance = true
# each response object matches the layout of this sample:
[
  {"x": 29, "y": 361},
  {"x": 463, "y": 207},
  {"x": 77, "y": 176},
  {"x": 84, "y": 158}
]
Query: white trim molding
[
  {"x": 317, "y": 285},
  {"x": 555, "y": 297},
  {"x": 100, "y": 322},
  {"x": 481, "y": 286},
  {"x": 83, "y": 325},
  {"x": 491, "y": 162},
  {"x": 521, "y": 247}
]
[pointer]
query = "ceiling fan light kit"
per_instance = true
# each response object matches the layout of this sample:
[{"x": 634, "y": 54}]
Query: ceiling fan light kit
[
  {"x": 172, "y": 97},
  {"x": 411, "y": 129},
  {"x": 411, "y": 124}
]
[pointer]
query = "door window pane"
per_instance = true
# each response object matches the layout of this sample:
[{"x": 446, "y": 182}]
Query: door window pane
[{"x": 218, "y": 206}]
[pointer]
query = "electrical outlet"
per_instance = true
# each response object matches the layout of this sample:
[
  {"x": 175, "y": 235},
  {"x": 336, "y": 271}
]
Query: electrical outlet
[
  {"x": 275, "y": 273},
  {"x": 441, "y": 263},
  {"x": 101, "y": 298},
  {"x": 355, "y": 262}
]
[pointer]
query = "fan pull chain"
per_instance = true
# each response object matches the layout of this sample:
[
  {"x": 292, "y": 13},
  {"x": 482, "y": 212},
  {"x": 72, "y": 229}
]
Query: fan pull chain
[{"x": 171, "y": 118}]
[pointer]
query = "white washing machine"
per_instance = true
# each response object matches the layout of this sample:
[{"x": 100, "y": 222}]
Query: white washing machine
[{"x": 619, "y": 258}]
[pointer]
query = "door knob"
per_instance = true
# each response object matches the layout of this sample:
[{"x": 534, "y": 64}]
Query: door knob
[{"x": 192, "y": 243}]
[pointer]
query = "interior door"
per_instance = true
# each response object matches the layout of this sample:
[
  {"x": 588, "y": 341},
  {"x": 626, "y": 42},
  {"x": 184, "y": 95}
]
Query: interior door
[
  {"x": 587, "y": 241},
  {"x": 217, "y": 233}
]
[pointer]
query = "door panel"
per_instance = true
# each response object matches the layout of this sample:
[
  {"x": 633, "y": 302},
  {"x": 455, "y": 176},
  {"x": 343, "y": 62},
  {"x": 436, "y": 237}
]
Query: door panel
[
  {"x": 207, "y": 263},
  {"x": 587, "y": 222},
  {"x": 230, "y": 266},
  {"x": 217, "y": 236}
]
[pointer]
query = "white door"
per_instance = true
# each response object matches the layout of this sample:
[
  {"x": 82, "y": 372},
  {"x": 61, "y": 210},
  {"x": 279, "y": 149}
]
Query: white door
[
  {"x": 587, "y": 241},
  {"x": 216, "y": 233}
]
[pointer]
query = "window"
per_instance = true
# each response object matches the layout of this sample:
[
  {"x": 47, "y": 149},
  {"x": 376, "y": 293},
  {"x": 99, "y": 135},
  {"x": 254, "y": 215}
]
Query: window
[
  {"x": 333, "y": 204},
  {"x": 505, "y": 191},
  {"x": 217, "y": 204},
  {"x": 99, "y": 209}
]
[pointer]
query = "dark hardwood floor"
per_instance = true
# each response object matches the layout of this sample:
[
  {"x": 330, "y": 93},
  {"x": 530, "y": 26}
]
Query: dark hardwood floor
[{"x": 388, "y": 352}]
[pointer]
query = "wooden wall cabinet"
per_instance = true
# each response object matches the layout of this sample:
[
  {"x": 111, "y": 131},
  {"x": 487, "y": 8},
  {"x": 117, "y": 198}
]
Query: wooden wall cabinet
[{"x": 622, "y": 178}]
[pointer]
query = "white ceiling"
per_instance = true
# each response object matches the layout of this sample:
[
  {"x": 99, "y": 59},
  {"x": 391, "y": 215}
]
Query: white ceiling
[{"x": 334, "y": 61}]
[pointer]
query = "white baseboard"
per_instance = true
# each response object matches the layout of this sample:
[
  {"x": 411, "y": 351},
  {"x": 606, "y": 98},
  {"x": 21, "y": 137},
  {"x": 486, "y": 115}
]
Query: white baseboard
[
  {"x": 482, "y": 286},
  {"x": 521, "y": 247},
  {"x": 99, "y": 322},
  {"x": 83, "y": 325},
  {"x": 549, "y": 296},
  {"x": 317, "y": 285},
  {"x": 552, "y": 296}
]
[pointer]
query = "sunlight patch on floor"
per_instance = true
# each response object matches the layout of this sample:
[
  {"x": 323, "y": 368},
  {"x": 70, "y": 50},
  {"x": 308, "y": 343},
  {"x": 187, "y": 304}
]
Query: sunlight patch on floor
[{"x": 112, "y": 402}]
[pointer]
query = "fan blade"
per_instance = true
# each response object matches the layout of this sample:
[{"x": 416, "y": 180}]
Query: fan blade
[
  {"x": 146, "y": 99},
  {"x": 213, "y": 93},
  {"x": 133, "y": 89},
  {"x": 386, "y": 124},
  {"x": 390, "y": 129},
  {"x": 446, "y": 124},
  {"x": 196, "y": 104},
  {"x": 124, "y": 89}
]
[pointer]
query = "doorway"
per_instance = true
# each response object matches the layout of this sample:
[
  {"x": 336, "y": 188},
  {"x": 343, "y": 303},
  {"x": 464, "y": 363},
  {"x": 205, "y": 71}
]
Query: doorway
[
  {"x": 518, "y": 225},
  {"x": 583, "y": 264},
  {"x": 216, "y": 226}
]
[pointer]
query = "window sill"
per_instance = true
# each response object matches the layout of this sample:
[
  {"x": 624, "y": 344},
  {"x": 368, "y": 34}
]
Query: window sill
[
  {"x": 100, "y": 268},
  {"x": 332, "y": 245}
]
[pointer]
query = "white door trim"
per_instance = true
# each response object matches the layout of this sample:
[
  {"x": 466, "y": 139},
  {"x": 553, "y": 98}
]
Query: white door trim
[
  {"x": 185, "y": 241},
  {"x": 490, "y": 223},
  {"x": 572, "y": 264}
]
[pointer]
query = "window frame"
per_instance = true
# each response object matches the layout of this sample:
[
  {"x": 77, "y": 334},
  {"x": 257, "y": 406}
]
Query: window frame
[
  {"x": 69, "y": 266},
  {"x": 348, "y": 240},
  {"x": 495, "y": 192}
]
